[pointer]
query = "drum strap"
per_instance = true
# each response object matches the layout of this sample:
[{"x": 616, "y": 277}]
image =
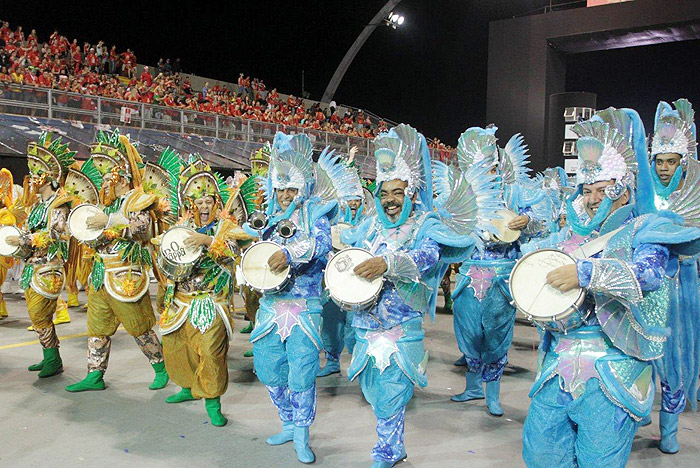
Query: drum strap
[{"x": 595, "y": 246}]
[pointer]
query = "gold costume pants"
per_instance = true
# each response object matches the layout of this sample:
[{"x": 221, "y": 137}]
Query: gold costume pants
[
  {"x": 197, "y": 360},
  {"x": 252, "y": 302},
  {"x": 105, "y": 313},
  {"x": 41, "y": 312}
]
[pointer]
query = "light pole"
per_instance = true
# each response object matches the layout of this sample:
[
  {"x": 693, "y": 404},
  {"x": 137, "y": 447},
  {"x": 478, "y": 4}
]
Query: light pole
[{"x": 383, "y": 16}]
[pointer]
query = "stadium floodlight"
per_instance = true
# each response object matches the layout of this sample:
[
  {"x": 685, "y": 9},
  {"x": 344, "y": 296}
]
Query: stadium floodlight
[{"x": 393, "y": 20}]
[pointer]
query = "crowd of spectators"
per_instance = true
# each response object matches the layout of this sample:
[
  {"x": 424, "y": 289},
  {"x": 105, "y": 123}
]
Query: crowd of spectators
[
  {"x": 441, "y": 151},
  {"x": 101, "y": 71}
]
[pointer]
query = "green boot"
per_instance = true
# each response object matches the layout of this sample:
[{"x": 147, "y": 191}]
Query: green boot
[
  {"x": 248, "y": 353},
  {"x": 36, "y": 367},
  {"x": 52, "y": 363},
  {"x": 161, "y": 379},
  {"x": 247, "y": 329},
  {"x": 92, "y": 381},
  {"x": 213, "y": 406},
  {"x": 183, "y": 395}
]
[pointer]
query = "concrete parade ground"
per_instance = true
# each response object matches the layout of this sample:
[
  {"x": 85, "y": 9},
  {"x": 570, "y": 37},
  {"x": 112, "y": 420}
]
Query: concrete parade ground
[{"x": 127, "y": 425}]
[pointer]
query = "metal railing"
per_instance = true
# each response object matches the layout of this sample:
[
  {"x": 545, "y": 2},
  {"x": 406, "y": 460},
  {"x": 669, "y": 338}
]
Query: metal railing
[{"x": 97, "y": 110}]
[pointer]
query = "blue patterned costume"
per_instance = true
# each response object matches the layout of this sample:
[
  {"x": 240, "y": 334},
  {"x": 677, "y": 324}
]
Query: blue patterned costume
[
  {"x": 594, "y": 382},
  {"x": 286, "y": 338},
  {"x": 674, "y": 134},
  {"x": 417, "y": 247}
]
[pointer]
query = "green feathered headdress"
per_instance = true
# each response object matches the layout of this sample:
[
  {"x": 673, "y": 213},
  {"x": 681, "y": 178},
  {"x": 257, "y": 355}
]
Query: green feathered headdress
[
  {"x": 49, "y": 156},
  {"x": 198, "y": 180}
]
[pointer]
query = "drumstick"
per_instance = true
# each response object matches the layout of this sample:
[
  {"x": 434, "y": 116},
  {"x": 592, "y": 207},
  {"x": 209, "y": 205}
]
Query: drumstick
[{"x": 537, "y": 296}]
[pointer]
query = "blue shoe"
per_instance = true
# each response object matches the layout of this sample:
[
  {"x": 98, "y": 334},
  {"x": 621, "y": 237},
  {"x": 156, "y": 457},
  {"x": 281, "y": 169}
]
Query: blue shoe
[
  {"x": 386, "y": 464},
  {"x": 301, "y": 445},
  {"x": 668, "y": 423},
  {"x": 462, "y": 361},
  {"x": 645, "y": 421},
  {"x": 493, "y": 391},
  {"x": 474, "y": 390},
  {"x": 331, "y": 367},
  {"x": 287, "y": 435}
]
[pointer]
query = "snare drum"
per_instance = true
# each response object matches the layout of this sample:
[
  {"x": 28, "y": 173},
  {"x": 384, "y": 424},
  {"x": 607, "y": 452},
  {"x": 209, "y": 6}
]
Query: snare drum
[
  {"x": 77, "y": 223},
  {"x": 7, "y": 250},
  {"x": 256, "y": 271},
  {"x": 335, "y": 235},
  {"x": 347, "y": 289},
  {"x": 504, "y": 234},
  {"x": 541, "y": 303},
  {"x": 175, "y": 259}
]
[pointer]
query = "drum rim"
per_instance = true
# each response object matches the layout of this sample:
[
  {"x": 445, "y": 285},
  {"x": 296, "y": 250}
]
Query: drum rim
[
  {"x": 563, "y": 315},
  {"x": 287, "y": 271},
  {"x": 337, "y": 300},
  {"x": 70, "y": 215}
]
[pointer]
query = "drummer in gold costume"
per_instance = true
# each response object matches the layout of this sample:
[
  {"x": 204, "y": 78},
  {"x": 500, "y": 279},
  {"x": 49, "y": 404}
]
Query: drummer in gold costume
[
  {"x": 44, "y": 244},
  {"x": 11, "y": 214},
  {"x": 119, "y": 281},
  {"x": 195, "y": 323},
  {"x": 249, "y": 189}
]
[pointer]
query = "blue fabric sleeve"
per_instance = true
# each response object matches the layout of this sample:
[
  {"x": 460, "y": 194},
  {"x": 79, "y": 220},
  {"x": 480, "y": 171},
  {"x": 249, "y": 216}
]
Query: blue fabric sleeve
[{"x": 649, "y": 263}]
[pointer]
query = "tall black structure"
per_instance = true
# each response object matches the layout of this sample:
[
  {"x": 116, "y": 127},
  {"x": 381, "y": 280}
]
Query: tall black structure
[{"x": 527, "y": 58}]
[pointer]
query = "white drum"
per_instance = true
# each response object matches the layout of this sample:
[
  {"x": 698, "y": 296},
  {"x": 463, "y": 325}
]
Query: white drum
[
  {"x": 256, "y": 271},
  {"x": 7, "y": 250},
  {"x": 175, "y": 259},
  {"x": 543, "y": 304},
  {"x": 504, "y": 234},
  {"x": 335, "y": 235},
  {"x": 77, "y": 223},
  {"x": 345, "y": 288}
]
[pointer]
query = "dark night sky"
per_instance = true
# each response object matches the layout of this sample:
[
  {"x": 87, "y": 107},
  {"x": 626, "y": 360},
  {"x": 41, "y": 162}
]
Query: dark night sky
[{"x": 430, "y": 73}]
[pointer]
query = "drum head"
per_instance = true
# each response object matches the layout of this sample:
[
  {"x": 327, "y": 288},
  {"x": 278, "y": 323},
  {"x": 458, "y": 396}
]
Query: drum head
[
  {"x": 172, "y": 246},
  {"x": 255, "y": 269},
  {"x": 343, "y": 284},
  {"x": 504, "y": 234},
  {"x": 77, "y": 223},
  {"x": 531, "y": 293},
  {"x": 7, "y": 250}
]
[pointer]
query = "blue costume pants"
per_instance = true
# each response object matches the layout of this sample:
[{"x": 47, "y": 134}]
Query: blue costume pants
[
  {"x": 388, "y": 392},
  {"x": 589, "y": 432},
  {"x": 484, "y": 329},
  {"x": 288, "y": 369},
  {"x": 336, "y": 331}
]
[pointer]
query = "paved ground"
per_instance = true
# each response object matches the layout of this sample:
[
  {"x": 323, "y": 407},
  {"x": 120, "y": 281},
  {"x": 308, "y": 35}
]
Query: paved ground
[{"x": 128, "y": 425}]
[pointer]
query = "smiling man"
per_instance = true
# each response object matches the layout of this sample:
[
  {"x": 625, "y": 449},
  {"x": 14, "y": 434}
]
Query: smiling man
[
  {"x": 286, "y": 338},
  {"x": 593, "y": 413},
  {"x": 407, "y": 242}
]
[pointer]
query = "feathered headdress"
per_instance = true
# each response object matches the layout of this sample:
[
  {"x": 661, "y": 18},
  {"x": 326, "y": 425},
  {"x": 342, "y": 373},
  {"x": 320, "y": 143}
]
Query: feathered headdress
[
  {"x": 674, "y": 130},
  {"x": 84, "y": 184},
  {"x": 477, "y": 144},
  {"x": 260, "y": 160},
  {"x": 291, "y": 163},
  {"x": 514, "y": 160},
  {"x": 604, "y": 154},
  {"x": 197, "y": 180},
  {"x": 399, "y": 156},
  {"x": 114, "y": 153},
  {"x": 50, "y": 157},
  {"x": 244, "y": 200}
]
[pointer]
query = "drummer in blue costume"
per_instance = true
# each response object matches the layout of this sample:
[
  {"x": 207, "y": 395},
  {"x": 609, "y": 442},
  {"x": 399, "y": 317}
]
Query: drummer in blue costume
[
  {"x": 286, "y": 338},
  {"x": 595, "y": 383},
  {"x": 336, "y": 330},
  {"x": 675, "y": 174},
  {"x": 483, "y": 315},
  {"x": 413, "y": 245}
]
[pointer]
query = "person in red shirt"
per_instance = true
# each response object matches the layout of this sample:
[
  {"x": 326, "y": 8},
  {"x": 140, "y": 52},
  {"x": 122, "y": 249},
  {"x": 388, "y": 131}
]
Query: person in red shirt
[
  {"x": 5, "y": 75},
  {"x": 5, "y": 31},
  {"x": 33, "y": 56},
  {"x": 91, "y": 59},
  {"x": 46, "y": 80},
  {"x": 32, "y": 40}
]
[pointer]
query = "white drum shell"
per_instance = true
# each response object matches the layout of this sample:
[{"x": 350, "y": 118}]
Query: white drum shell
[
  {"x": 7, "y": 250},
  {"x": 335, "y": 235},
  {"x": 346, "y": 289},
  {"x": 256, "y": 272},
  {"x": 540, "y": 302},
  {"x": 175, "y": 260},
  {"x": 77, "y": 223}
]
